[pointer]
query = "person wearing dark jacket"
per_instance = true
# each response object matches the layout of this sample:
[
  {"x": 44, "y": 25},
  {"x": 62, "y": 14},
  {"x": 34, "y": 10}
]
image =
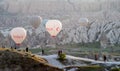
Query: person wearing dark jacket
[
  {"x": 27, "y": 49},
  {"x": 42, "y": 52},
  {"x": 104, "y": 58}
]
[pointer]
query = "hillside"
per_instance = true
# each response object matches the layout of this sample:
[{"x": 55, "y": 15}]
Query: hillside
[{"x": 12, "y": 60}]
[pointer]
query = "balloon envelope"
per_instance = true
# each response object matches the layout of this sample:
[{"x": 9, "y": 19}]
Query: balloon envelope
[
  {"x": 18, "y": 34},
  {"x": 53, "y": 27},
  {"x": 36, "y": 21}
]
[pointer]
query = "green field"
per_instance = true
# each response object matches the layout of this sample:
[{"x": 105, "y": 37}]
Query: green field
[{"x": 80, "y": 49}]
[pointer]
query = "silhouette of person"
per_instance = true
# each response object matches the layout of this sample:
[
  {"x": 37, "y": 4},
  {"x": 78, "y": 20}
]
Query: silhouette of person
[
  {"x": 11, "y": 47},
  {"x": 59, "y": 52},
  {"x": 42, "y": 52},
  {"x": 27, "y": 49},
  {"x": 96, "y": 56},
  {"x": 104, "y": 57}
]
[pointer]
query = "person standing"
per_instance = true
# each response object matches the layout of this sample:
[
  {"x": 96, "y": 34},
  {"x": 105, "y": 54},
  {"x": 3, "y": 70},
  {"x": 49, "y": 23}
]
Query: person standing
[
  {"x": 42, "y": 52},
  {"x": 104, "y": 58},
  {"x": 96, "y": 56},
  {"x": 26, "y": 49}
]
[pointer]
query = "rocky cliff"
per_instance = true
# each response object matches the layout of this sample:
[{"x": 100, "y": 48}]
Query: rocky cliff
[{"x": 103, "y": 16}]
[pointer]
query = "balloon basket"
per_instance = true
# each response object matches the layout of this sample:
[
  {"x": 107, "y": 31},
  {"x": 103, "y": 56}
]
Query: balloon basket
[{"x": 17, "y": 46}]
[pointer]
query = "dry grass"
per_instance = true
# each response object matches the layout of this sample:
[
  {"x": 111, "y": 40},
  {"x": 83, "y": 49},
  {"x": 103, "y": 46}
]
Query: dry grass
[{"x": 13, "y": 60}]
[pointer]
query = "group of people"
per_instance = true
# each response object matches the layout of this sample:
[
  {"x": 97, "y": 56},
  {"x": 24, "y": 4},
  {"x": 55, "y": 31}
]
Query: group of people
[
  {"x": 59, "y": 52},
  {"x": 104, "y": 57},
  {"x": 96, "y": 56},
  {"x": 26, "y": 49}
]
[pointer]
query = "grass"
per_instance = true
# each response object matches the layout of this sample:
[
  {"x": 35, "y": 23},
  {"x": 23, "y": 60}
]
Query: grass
[
  {"x": 36, "y": 50},
  {"x": 83, "y": 50},
  {"x": 90, "y": 68},
  {"x": 87, "y": 68}
]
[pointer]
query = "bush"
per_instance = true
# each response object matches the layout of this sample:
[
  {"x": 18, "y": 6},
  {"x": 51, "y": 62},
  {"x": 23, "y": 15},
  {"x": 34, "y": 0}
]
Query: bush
[
  {"x": 115, "y": 69},
  {"x": 62, "y": 56}
]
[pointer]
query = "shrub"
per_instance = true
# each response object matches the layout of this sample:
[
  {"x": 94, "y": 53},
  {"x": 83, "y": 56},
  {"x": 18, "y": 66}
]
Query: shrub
[
  {"x": 115, "y": 69},
  {"x": 62, "y": 56}
]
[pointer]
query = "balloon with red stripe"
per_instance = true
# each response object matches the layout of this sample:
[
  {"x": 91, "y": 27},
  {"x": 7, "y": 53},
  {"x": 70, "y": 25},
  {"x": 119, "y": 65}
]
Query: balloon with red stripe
[
  {"x": 53, "y": 27},
  {"x": 18, "y": 35}
]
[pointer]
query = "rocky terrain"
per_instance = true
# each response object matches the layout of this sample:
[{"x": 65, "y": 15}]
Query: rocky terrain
[
  {"x": 13, "y": 60},
  {"x": 103, "y": 16}
]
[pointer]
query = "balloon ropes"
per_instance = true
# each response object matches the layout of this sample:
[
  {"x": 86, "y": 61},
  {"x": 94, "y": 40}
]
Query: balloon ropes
[
  {"x": 18, "y": 35},
  {"x": 53, "y": 27}
]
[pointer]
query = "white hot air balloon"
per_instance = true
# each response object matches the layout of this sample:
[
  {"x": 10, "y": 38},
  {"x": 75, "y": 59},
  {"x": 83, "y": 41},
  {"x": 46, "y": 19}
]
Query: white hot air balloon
[
  {"x": 18, "y": 35},
  {"x": 53, "y": 27},
  {"x": 83, "y": 21},
  {"x": 36, "y": 21}
]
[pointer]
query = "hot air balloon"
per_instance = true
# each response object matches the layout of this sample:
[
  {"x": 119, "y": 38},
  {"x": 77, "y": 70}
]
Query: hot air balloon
[
  {"x": 18, "y": 35},
  {"x": 36, "y": 21},
  {"x": 53, "y": 27},
  {"x": 83, "y": 21}
]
